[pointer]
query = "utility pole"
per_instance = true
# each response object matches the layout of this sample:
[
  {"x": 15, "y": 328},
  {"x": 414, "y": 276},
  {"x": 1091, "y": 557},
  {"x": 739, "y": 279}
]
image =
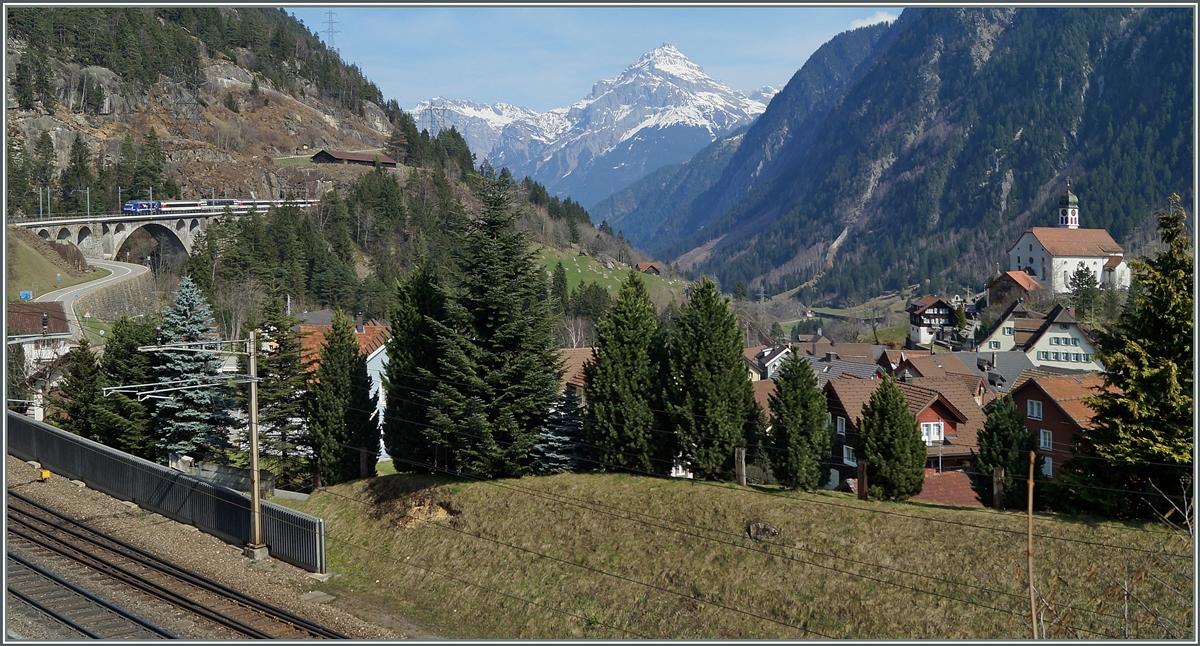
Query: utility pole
[
  {"x": 255, "y": 550},
  {"x": 1029, "y": 550}
]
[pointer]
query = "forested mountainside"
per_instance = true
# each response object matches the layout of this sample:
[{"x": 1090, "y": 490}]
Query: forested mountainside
[
  {"x": 682, "y": 198},
  {"x": 959, "y": 135},
  {"x": 193, "y": 102}
]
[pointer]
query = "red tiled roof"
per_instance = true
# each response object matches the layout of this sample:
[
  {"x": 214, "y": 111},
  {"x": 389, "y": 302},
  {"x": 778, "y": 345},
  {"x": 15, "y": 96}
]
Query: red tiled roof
[
  {"x": 1068, "y": 391},
  {"x": 26, "y": 318},
  {"x": 312, "y": 336},
  {"x": 1076, "y": 242},
  {"x": 1024, "y": 280},
  {"x": 573, "y": 360},
  {"x": 643, "y": 266},
  {"x": 751, "y": 353},
  {"x": 935, "y": 365},
  {"x": 1113, "y": 262},
  {"x": 763, "y": 389},
  {"x": 948, "y": 488},
  {"x": 955, "y": 389}
]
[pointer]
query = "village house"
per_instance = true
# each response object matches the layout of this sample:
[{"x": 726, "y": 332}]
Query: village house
[
  {"x": 345, "y": 157},
  {"x": 1054, "y": 340},
  {"x": 45, "y": 334},
  {"x": 763, "y": 361},
  {"x": 1052, "y": 254},
  {"x": 573, "y": 360},
  {"x": 931, "y": 365},
  {"x": 998, "y": 369},
  {"x": 651, "y": 268},
  {"x": 1010, "y": 286},
  {"x": 927, "y": 319},
  {"x": 372, "y": 340},
  {"x": 938, "y": 418},
  {"x": 1054, "y": 410}
]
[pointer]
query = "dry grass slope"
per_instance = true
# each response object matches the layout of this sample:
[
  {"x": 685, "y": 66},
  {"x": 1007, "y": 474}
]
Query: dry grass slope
[{"x": 619, "y": 556}]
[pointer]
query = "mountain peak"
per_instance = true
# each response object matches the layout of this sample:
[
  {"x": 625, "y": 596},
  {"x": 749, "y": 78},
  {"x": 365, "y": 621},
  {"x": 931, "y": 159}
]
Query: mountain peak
[{"x": 668, "y": 60}]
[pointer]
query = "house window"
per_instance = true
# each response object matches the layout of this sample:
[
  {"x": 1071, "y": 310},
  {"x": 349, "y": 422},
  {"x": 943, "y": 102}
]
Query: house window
[
  {"x": 1053, "y": 340},
  {"x": 1048, "y": 467},
  {"x": 1033, "y": 409},
  {"x": 1075, "y": 357},
  {"x": 1064, "y": 326},
  {"x": 994, "y": 345},
  {"x": 931, "y": 432},
  {"x": 1066, "y": 281},
  {"x": 848, "y": 456},
  {"x": 1054, "y": 356},
  {"x": 1046, "y": 440},
  {"x": 1008, "y": 331},
  {"x": 841, "y": 425},
  {"x": 1074, "y": 341},
  {"x": 1087, "y": 357}
]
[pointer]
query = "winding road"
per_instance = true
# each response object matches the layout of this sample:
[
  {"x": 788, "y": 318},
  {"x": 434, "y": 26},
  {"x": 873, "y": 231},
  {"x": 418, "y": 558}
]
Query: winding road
[{"x": 67, "y": 296}]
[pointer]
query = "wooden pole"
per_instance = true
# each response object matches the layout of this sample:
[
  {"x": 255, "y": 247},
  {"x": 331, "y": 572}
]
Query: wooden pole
[
  {"x": 862, "y": 479},
  {"x": 739, "y": 458},
  {"x": 1029, "y": 551},
  {"x": 998, "y": 487}
]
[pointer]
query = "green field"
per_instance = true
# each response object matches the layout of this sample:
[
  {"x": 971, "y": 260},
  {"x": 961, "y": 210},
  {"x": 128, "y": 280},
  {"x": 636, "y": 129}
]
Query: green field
[
  {"x": 585, "y": 269},
  {"x": 292, "y": 161},
  {"x": 895, "y": 333},
  {"x": 610, "y": 556},
  {"x": 29, "y": 270}
]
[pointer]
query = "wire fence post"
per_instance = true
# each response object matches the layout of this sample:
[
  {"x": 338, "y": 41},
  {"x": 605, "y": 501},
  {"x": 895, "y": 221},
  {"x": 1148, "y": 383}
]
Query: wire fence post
[
  {"x": 1029, "y": 550},
  {"x": 862, "y": 479},
  {"x": 739, "y": 460},
  {"x": 998, "y": 487}
]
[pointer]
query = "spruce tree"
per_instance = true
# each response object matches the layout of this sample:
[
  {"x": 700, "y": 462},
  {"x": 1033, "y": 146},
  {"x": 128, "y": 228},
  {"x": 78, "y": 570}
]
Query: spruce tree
[
  {"x": 44, "y": 161},
  {"x": 1005, "y": 442},
  {"x": 890, "y": 440},
  {"x": 335, "y": 459},
  {"x": 197, "y": 421},
  {"x": 147, "y": 174},
  {"x": 712, "y": 401},
  {"x": 560, "y": 447},
  {"x": 559, "y": 290},
  {"x": 1143, "y": 438},
  {"x": 799, "y": 426},
  {"x": 362, "y": 420},
  {"x": 412, "y": 373},
  {"x": 619, "y": 383},
  {"x": 123, "y": 416},
  {"x": 16, "y": 171},
  {"x": 78, "y": 176},
  {"x": 79, "y": 396},
  {"x": 282, "y": 403},
  {"x": 499, "y": 359}
]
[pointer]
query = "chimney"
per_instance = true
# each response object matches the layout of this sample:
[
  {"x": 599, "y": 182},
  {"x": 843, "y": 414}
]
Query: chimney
[
  {"x": 993, "y": 359},
  {"x": 1071, "y": 311},
  {"x": 358, "y": 324},
  {"x": 830, "y": 356}
]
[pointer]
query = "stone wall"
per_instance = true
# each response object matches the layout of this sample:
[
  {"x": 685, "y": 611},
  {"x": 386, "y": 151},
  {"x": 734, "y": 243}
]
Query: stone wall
[{"x": 133, "y": 297}]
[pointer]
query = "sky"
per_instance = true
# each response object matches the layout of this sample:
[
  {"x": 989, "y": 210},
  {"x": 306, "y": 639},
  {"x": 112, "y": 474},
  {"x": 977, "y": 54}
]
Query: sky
[{"x": 548, "y": 57}]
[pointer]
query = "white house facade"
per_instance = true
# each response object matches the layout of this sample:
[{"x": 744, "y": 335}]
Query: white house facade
[{"x": 1052, "y": 254}]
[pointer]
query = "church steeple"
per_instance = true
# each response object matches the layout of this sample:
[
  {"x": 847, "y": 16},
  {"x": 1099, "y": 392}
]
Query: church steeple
[{"x": 1068, "y": 209}]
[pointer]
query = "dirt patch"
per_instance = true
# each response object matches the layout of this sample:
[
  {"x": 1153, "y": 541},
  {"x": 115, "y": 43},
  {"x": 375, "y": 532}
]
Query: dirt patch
[{"x": 410, "y": 501}]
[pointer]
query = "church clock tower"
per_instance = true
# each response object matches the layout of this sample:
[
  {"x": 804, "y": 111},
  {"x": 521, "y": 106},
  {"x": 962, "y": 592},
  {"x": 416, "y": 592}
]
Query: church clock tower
[{"x": 1068, "y": 209}]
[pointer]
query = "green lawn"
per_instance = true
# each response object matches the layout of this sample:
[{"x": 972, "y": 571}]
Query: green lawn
[
  {"x": 29, "y": 270},
  {"x": 585, "y": 269},
  {"x": 92, "y": 327}
]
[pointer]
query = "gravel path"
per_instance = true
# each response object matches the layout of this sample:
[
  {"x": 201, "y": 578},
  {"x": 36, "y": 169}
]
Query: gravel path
[{"x": 269, "y": 580}]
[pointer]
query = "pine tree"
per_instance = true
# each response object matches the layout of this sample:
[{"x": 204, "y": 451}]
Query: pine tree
[
  {"x": 147, "y": 174},
  {"x": 559, "y": 448},
  {"x": 197, "y": 421},
  {"x": 412, "y": 373},
  {"x": 1146, "y": 417},
  {"x": 23, "y": 84},
  {"x": 1005, "y": 442},
  {"x": 79, "y": 394},
  {"x": 618, "y": 384},
  {"x": 127, "y": 161},
  {"x": 960, "y": 318},
  {"x": 560, "y": 297},
  {"x": 124, "y": 417},
  {"x": 16, "y": 171},
  {"x": 329, "y": 403},
  {"x": 77, "y": 176},
  {"x": 711, "y": 398},
  {"x": 44, "y": 161},
  {"x": 889, "y": 439},
  {"x": 799, "y": 426},
  {"x": 362, "y": 420},
  {"x": 282, "y": 401},
  {"x": 1085, "y": 291},
  {"x": 397, "y": 146},
  {"x": 499, "y": 359}
]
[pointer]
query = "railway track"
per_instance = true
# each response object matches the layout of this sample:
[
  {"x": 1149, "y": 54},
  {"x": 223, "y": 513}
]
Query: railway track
[
  {"x": 38, "y": 529},
  {"x": 75, "y": 607}
]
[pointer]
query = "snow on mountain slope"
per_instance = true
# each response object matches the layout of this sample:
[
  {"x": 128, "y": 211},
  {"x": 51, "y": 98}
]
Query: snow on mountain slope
[
  {"x": 660, "y": 110},
  {"x": 480, "y": 124}
]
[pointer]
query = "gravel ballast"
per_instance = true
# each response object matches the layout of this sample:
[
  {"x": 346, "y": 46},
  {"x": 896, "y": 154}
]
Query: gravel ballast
[{"x": 271, "y": 581}]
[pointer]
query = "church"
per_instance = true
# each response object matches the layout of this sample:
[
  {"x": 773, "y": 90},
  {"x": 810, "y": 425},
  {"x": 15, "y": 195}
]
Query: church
[{"x": 1052, "y": 254}]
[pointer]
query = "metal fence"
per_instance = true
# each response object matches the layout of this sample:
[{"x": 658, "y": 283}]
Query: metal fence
[{"x": 291, "y": 536}]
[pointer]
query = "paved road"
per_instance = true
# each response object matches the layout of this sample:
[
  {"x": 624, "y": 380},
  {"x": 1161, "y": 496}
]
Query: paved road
[{"x": 120, "y": 271}]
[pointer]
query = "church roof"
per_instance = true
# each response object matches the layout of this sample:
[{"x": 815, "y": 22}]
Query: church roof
[{"x": 1076, "y": 242}]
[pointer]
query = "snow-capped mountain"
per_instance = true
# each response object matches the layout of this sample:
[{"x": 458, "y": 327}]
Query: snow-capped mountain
[
  {"x": 660, "y": 110},
  {"x": 480, "y": 124}
]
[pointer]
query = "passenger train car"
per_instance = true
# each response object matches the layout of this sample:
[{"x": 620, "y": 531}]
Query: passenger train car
[{"x": 168, "y": 207}]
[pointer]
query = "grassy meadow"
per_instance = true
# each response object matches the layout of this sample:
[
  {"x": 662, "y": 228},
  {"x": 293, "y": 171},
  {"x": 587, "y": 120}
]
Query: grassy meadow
[
  {"x": 29, "y": 270},
  {"x": 585, "y": 269},
  {"x": 614, "y": 556}
]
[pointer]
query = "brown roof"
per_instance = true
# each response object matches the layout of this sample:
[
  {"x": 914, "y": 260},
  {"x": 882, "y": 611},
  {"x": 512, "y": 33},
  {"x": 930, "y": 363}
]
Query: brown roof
[
  {"x": 955, "y": 389},
  {"x": 573, "y": 360},
  {"x": 855, "y": 393},
  {"x": 1113, "y": 261},
  {"x": 1027, "y": 374},
  {"x": 860, "y": 352},
  {"x": 361, "y": 157},
  {"x": 751, "y": 353},
  {"x": 1076, "y": 242},
  {"x": 935, "y": 365},
  {"x": 763, "y": 389},
  {"x": 1024, "y": 330},
  {"x": 948, "y": 488},
  {"x": 643, "y": 266},
  {"x": 26, "y": 318},
  {"x": 817, "y": 349},
  {"x": 1068, "y": 392},
  {"x": 1024, "y": 280},
  {"x": 923, "y": 303},
  {"x": 312, "y": 336}
]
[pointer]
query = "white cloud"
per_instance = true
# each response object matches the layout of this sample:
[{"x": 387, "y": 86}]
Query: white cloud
[{"x": 878, "y": 16}]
